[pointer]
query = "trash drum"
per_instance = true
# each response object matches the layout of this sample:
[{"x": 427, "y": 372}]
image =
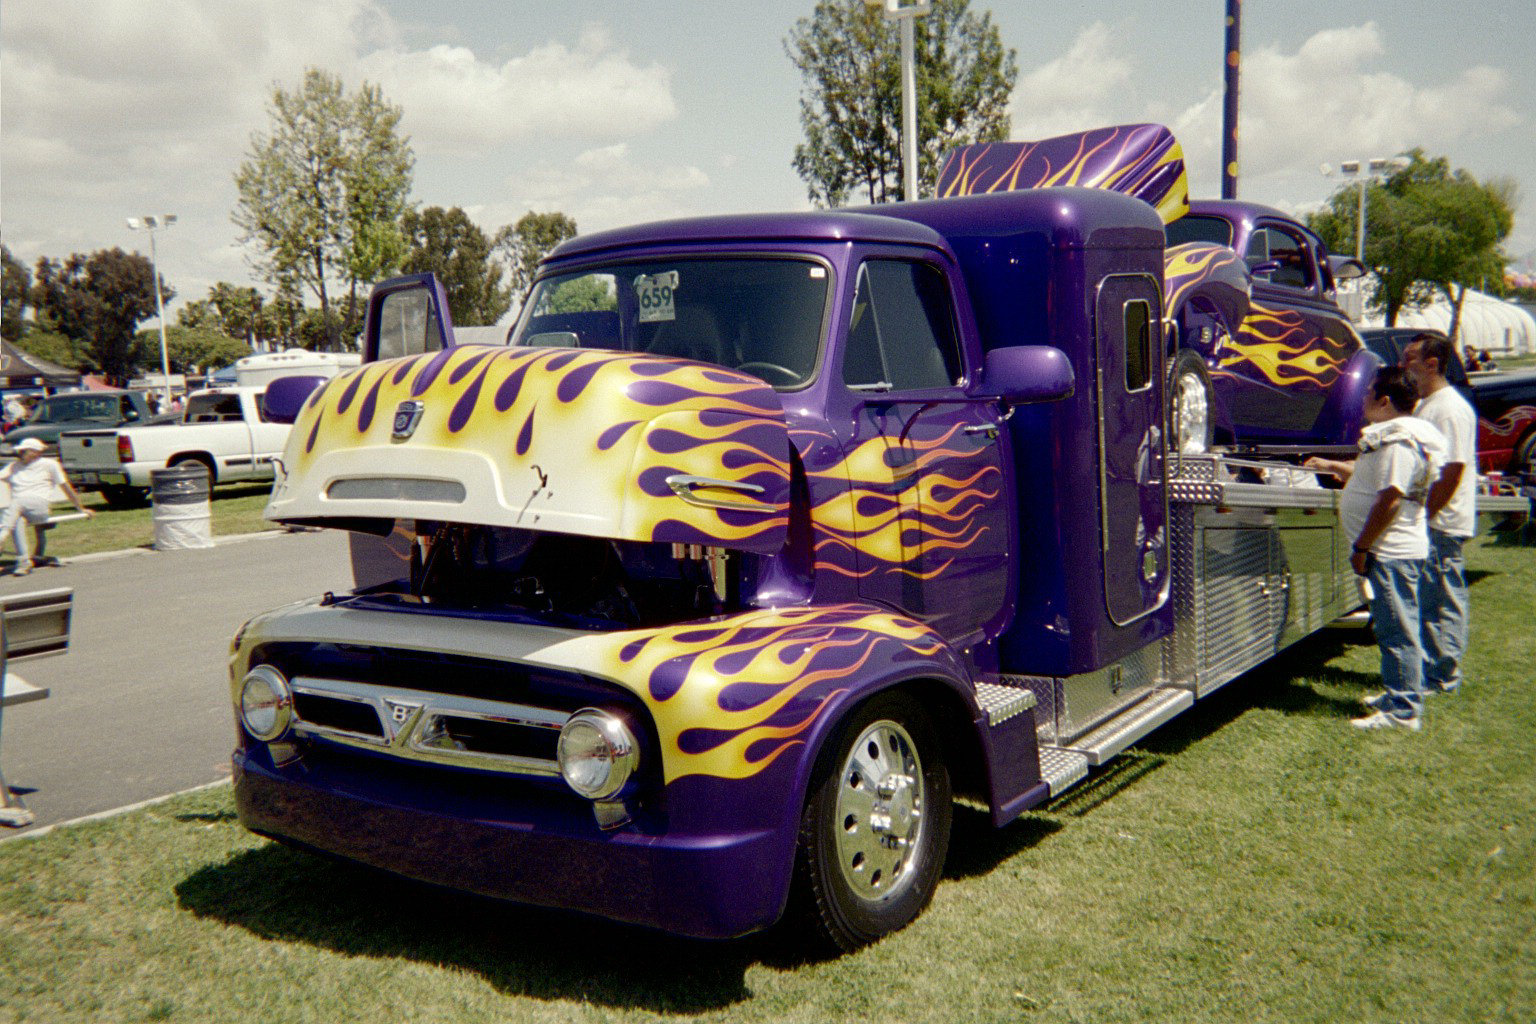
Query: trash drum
[{"x": 179, "y": 495}]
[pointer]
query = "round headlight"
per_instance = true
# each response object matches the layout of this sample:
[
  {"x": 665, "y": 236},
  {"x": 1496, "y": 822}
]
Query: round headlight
[
  {"x": 266, "y": 703},
  {"x": 597, "y": 753}
]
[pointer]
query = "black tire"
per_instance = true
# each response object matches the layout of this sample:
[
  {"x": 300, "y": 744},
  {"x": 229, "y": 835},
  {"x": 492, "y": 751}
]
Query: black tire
[
  {"x": 1189, "y": 392},
  {"x": 1523, "y": 465},
  {"x": 123, "y": 496},
  {"x": 854, "y": 883}
]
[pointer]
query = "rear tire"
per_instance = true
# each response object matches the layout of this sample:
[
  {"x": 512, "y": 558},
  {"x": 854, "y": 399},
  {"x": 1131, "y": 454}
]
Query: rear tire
[
  {"x": 1191, "y": 428},
  {"x": 1523, "y": 465},
  {"x": 203, "y": 461},
  {"x": 875, "y": 828}
]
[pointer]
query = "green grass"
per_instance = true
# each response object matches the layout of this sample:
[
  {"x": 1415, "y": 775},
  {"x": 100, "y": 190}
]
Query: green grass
[
  {"x": 1256, "y": 860},
  {"x": 233, "y": 508}
]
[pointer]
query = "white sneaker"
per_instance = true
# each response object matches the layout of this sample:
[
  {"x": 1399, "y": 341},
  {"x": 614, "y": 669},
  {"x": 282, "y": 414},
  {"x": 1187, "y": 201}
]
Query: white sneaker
[
  {"x": 1376, "y": 701},
  {"x": 1382, "y": 720}
]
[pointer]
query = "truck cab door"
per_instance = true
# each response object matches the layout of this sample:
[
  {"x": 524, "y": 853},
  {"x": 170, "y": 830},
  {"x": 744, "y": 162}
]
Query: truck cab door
[
  {"x": 1133, "y": 496},
  {"x": 930, "y": 509},
  {"x": 406, "y": 316}
]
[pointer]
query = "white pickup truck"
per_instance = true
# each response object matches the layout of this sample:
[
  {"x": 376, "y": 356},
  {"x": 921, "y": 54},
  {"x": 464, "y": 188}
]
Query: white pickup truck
[{"x": 223, "y": 428}]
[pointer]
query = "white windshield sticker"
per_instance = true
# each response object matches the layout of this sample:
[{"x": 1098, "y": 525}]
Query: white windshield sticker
[{"x": 654, "y": 293}]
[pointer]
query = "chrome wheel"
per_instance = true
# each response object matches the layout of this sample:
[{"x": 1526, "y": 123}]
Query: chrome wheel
[
  {"x": 1189, "y": 404},
  {"x": 880, "y": 813}
]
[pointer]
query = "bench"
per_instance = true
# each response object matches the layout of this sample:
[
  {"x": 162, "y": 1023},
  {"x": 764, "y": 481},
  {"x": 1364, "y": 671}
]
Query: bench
[{"x": 34, "y": 625}]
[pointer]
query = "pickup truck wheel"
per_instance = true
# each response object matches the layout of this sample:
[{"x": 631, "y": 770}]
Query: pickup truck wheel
[
  {"x": 875, "y": 827},
  {"x": 1190, "y": 426},
  {"x": 1524, "y": 463},
  {"x": 182, "y": 460},
  {"x": 122, "y": 496}
]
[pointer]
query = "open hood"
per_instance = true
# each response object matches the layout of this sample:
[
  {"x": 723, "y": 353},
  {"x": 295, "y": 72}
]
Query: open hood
[
  {"x": 1141, "y": 160},
  {"x": 597, "y": 443}
]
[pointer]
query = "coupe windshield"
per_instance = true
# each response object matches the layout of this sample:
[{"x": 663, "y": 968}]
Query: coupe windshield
[{"x": 760, "y": 316}]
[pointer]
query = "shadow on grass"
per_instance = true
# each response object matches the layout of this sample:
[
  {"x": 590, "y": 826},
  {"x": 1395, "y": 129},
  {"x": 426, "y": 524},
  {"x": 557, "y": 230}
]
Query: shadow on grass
[
  {"x": 976, "y": 848},
  {"x": 277, "y": 893}
]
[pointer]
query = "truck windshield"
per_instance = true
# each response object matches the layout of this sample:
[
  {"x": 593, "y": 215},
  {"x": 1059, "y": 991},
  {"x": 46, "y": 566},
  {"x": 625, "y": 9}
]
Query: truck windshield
[
  {"x": 106, "y": 408},
  {"x": 761, "y": 316}
]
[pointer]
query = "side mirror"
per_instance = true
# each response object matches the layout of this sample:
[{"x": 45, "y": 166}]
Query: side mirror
[
  {"x": 1346, "y": 268},
  {"x": 284, "y": 397},
  {"x": 1028, "y": 373}
]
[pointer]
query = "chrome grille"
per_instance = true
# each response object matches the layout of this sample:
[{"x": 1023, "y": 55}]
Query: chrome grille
[{"x": 437, "y": 728}]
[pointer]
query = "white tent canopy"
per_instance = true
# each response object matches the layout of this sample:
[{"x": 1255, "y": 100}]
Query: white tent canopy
[{"x": 1486, "y": 323}]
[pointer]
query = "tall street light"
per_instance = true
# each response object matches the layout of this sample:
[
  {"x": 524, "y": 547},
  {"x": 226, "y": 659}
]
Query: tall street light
[
  {"x": 903, "y": 14},
  {"x": 1365, "y": 172},
  {"x": 150, "y": 224}
]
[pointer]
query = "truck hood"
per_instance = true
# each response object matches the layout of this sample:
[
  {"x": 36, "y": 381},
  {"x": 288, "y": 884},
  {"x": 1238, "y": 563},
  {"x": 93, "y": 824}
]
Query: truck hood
[{"x": 597, "y": 443}]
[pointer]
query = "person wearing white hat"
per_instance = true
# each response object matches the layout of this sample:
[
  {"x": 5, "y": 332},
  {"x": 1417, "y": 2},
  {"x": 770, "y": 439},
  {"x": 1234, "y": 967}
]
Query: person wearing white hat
[{"x": 32, "y": 479}]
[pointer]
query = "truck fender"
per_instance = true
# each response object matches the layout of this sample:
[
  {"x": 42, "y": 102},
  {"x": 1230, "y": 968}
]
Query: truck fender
[
  {"x": 1342, "y": 416},
  {"x": 206, "y": 459}
]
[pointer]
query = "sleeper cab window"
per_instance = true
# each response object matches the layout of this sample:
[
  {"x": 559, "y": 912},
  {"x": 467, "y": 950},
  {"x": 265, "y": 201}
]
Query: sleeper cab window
[
  {"x": 901, "y": 335},
  {"x": 1138, "y": 345},
  {"x": 408, "y": 324}
]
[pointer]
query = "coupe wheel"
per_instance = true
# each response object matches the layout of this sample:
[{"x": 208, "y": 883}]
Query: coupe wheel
[
  {"x": 876, "y": 825},
  {"x": 1190, "y": 426}
]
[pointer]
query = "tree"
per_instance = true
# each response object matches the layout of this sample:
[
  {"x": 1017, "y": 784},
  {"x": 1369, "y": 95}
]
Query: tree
[
  {"x": 448, "y": 243},
  {"x": 14, "y": 283},
  {"x": 55, "y": 348},
  {"x": 532, "y": 238},
  {"x": 229, "y": 309},
  {"x": 321, "y": 195},
  {"x": 188, "y": 349},
  {"x": 98, "y": 301},
  {"x": 848, "y": 55},
  {"x": 1429, "y": 230}
]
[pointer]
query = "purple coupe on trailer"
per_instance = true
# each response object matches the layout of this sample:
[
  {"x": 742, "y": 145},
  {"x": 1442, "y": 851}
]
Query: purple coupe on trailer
[{"x": 1259, "y": 351}]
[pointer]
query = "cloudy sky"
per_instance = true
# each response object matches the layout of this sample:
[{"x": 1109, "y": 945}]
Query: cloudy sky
[{"x": 620, "y": 112}]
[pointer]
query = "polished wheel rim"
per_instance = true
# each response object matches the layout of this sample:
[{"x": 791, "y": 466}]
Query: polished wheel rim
[
  {"x": 1192, "y": 414},
  {"x": 879, "y": 821}
]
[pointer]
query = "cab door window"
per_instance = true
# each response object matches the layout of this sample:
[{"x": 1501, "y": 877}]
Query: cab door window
[{"x": 902, "y": 336}]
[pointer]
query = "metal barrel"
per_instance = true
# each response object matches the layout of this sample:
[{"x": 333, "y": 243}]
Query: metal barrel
[{"x": 181, "y": 513}]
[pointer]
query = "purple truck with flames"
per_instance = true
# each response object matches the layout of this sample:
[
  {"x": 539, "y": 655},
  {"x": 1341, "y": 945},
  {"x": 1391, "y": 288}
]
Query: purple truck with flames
[{"x": 766, "y": 538}]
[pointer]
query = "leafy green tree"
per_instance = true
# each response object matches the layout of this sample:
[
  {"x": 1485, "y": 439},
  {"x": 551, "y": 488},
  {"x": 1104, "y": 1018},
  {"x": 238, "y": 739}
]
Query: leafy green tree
[
  {"x": 188, "y": 349},
  {"x": 1428, "y": 230},
  {"x": 229, "y": 309},
  {"x": 14, "y": 283},
  {"x": 97, "y": 301},
  {"x": 450, "y": 245},
  {"x": 321, "y": 195},
  {"x": 55, "y": 348},
  {"x": 849, "y": 58},
  {"x": 532, "y": 238}
]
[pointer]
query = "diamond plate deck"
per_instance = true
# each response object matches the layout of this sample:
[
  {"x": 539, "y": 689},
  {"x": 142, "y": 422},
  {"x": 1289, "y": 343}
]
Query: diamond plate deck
[{"x": 1132, "y": 724}]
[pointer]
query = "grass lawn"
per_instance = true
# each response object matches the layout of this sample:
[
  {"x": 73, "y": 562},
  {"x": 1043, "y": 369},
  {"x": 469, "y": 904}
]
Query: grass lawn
[
  {"x": 1255, "y": 860},
  {"x": 234, "y": 508}
]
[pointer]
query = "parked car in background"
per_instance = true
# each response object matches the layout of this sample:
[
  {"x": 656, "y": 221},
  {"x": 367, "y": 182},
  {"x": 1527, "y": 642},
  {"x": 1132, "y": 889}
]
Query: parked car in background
[
  {"x": 224, "y": 429},
  {"x": 1505, "y": 404},
  {"x": 76, "y": 410},
  {"x": 1258, "y": 350}
]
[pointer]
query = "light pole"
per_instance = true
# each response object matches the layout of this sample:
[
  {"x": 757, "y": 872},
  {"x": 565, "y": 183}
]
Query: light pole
[
  {"x": 150, "y": 224},
  {"x": 1364, "y": 172},
  {"x": 903, "y": 14}
]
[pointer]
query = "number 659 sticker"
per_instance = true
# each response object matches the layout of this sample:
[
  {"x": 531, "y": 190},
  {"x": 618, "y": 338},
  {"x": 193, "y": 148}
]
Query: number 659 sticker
[{"x": 654, "y": 292}]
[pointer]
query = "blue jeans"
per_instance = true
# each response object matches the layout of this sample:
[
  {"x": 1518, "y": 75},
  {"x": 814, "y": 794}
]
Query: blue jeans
[
  {"x": 1443, "y": 604},
  {"x": 1395, "y": 619}
]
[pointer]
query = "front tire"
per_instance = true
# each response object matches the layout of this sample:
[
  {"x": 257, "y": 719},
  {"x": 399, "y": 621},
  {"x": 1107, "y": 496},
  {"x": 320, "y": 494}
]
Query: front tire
[
  {"x": 875, "y": 828},
  {"x": 122, "y": 496}
]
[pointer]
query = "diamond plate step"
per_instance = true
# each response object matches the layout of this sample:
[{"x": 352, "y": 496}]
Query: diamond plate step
[
  {"x": 1003, "y": 702},
  {"x": 1062, "y": 769},
  {"x": 1132, "y": 724}
]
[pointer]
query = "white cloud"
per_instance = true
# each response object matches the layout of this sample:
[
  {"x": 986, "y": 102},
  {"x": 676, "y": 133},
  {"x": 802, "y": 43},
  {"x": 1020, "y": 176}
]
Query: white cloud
[
  {"x": 1070, "y": 92},
  {"x": 605, "y": 187}
]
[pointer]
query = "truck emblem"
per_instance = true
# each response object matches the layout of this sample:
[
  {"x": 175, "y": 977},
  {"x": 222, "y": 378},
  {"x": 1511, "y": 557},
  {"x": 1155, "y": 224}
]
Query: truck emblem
[
  {"x": 407, "y": 416},
  {"x": 400, "y": 712}
]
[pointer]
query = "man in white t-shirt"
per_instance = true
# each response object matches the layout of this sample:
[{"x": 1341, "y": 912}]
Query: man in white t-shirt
[
  {"x": 32, "y": 479},
  {"x": 1452, "y": 513},
  {"x": 1382, "y": 508}
]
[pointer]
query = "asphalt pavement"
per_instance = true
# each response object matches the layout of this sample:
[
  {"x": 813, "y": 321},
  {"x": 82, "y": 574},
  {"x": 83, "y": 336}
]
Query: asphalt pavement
[{"x": 139, "y": 705}]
